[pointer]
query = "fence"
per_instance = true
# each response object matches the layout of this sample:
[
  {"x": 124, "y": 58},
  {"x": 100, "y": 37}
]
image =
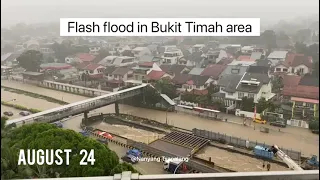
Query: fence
[
  {"x": 159, "y": 153},
  {"x": 207, "y": 115},
  {"x": 242, "y": 143}
]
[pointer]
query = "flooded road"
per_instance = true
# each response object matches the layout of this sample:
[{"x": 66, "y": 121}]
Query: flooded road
[
  {"x": 143, "y": 167},
  {"x": 290, "y": 137},
  {"x": 10, "y": 109},
  {"x": 27, "y": 101},
  {"x": 139, "y": 135},
  {"x": 235, "y": 161}
]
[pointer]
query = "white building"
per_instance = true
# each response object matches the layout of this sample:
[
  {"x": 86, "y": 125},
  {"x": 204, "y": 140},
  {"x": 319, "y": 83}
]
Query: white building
[
  {"x": 277, "y": 56},
  {"x": 140, "y": 51}
]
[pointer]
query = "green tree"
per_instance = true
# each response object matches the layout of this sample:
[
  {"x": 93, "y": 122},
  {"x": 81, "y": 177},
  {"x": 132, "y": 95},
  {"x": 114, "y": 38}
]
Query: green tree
[
  {"x": 164, "y": 86},
  {"x": 314, "y": 125},
  {"x": 102, "y": 54},
  {"x": 30, "y": 60},
  {"x": 47, "y": 136},
  {"x": 247, "y": 104},
  {"x": 277, "y": 84},
  {"x": 269, "y": 38},
  {"x": 262, "y": 105}
]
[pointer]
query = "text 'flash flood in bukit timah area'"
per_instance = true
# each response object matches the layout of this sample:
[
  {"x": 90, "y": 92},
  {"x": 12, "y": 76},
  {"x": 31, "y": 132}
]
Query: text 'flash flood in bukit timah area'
[{"x": 140, "y": 89}]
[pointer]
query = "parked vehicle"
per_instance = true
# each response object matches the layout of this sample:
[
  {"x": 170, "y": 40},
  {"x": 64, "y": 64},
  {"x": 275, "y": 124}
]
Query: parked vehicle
[
  {"x": 129, "y": 159},
  {"x": 84, "y": 133},
  {"x": 24, "y": 113},
  {"x": 279, "y": 124},
  {"x": 311, "y": 164},
  {"x": 103, "y": 141},
  {"x": 8, "y": 113},
  {"x": 175, "y": 166},
  {"x": 315, "y": 131},
  {"x": 58, "y": 124},
  {"x": 260, "y": 121},
  {"x": 134, "y": 152},
  {"x": 263, "y": 152}
]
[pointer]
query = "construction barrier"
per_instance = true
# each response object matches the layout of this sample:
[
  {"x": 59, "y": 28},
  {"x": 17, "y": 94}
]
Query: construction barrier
[{"x": 153, "y": 152}]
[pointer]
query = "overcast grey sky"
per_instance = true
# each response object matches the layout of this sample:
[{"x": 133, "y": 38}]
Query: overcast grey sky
[{"x": 34, "y": 11}]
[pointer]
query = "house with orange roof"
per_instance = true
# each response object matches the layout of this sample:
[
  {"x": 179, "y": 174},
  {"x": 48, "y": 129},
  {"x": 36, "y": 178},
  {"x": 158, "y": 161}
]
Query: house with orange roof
[{"x": 295, "y": 64}]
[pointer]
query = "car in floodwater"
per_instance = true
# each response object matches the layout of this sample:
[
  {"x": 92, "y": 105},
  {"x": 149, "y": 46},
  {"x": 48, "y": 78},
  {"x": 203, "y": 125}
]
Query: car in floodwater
[
  {"x": 260, "y": 121},
  {"x": 278, "y": 124},
  {"x": 129, "y": 159},
  {"x": 24, "y": 113},
  {"x": 8, "y": 113}
]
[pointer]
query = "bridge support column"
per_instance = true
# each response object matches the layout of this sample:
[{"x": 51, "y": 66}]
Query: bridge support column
[
  {"x": 116, "y": 108},
  {"x": 85, "y": 118}
]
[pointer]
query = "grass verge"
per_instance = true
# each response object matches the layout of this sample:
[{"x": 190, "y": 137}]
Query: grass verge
[
  {"x": 32, "y": 110},
  {"x": 34, "y": 95}
]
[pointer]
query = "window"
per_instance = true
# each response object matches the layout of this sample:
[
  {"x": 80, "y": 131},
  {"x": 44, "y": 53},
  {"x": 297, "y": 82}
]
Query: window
[
  {"x": 285, "y": 70},
  {"x": 222, "y": 88},
  {"x": 250, "y": 95},
  {"x": 240, "y": 95},
  {"x": 91, "y": 71},
  {"x": 278, "y": 69},
  {"x": 198, "y": 87},
  {"x": 136, "y": 77},
  {"x": 230, "y": 94}
]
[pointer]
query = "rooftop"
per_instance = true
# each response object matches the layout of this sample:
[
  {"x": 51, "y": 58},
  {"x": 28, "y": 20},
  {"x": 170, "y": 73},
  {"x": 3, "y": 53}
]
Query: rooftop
[
  {"x": 278, "y": 55},
  {"x": 155, "y": 75},
  {"x": 213, "y": 71}
]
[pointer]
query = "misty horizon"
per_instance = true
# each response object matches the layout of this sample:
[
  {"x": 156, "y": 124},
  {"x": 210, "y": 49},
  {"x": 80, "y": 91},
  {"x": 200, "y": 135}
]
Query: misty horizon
[{"x": 37, "y": 11}]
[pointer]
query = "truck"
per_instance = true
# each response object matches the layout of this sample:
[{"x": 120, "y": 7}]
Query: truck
[{"x": 175, "y": 166}]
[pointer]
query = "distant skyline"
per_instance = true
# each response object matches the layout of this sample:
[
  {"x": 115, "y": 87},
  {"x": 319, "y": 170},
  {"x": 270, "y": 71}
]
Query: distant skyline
[{"x": 42, "y": 11}]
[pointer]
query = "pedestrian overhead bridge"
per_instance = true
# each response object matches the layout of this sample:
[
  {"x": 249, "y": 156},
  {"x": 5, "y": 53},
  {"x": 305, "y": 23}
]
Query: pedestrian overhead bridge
[{"x": 79, "y": 107}]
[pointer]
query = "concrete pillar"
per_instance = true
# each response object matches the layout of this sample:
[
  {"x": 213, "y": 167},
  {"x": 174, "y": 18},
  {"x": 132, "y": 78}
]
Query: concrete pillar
[
  {"x": 85, "y": 117},
  {"x": 116, "y": 108}
]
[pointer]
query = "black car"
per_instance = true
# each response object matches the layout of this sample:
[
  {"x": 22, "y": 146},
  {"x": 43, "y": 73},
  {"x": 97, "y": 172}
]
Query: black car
[
  {"x": 129, "y": 159},
  {"x": 315, "y": 131},
  {"x": 279, "y": 124},
  {"x": 8, "y": 113},
  {"x": 103, "y": 141}
]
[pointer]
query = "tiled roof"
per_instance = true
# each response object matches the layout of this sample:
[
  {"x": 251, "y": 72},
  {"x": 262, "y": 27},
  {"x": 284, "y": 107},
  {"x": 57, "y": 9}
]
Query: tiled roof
[
  {"x": 301, "y": 91},
  {"x": 92, "y": 67},
  {"x": 290, "y": 80},
  {"x": 86, "y": 57},
  {"x": 245, "y": 58},
  {"x": 109, "y": 69},
  {"x": 155, "y": 75},
  {"x": 146, "y": 64},
  {"x": 198, "y": 80},
  {"x": 173, "y": 69},
  {"x": 294, "y": 60},
  {"x": 181, "y": 78},
  {"x": 213, "y": 71},
  {"x": 121, "y": 71}
]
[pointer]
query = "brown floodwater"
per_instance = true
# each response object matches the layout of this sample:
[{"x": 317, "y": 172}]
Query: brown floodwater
[{"x": 290, "y": 138}]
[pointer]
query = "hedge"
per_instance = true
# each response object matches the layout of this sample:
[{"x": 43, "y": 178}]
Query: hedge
[
  {"x": 32, "y": 110},
  {"x": 34, "y": 95}
]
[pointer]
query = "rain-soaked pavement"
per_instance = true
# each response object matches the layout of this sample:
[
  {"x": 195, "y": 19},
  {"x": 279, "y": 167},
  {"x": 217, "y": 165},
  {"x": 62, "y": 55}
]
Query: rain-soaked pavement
[{"x": 290, "y": 138}]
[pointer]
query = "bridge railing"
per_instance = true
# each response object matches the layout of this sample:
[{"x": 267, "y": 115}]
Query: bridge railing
[{"x": 73, "y": 109}]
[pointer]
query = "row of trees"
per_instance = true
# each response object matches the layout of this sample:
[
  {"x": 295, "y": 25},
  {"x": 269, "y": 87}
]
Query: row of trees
[{"x": 48, "y": 136}]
